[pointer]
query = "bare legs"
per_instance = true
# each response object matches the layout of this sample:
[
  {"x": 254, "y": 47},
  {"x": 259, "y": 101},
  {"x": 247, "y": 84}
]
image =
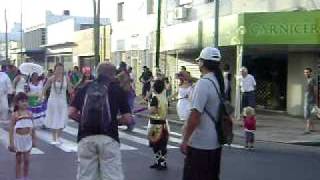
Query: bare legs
[
  {"x": 56, "y": 134},
  {"x": 22, "y": 164}
]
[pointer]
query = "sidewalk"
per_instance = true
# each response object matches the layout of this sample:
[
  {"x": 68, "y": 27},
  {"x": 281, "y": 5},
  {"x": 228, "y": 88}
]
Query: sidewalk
[{"x": 271, "y": 127}]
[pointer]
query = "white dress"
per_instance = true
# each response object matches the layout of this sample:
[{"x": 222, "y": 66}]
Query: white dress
[
  {"x": 184, "y": 103},
  {"x": 57, "y": 108}
]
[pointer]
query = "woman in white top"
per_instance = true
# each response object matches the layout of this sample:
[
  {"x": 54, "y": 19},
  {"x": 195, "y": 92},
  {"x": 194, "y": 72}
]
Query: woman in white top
[
  {"x": 184, "y": 96},
  {"x": 19, "y": 83},
  {"x": 57, "y": 107},
  {"x": 35, "y": 102}
]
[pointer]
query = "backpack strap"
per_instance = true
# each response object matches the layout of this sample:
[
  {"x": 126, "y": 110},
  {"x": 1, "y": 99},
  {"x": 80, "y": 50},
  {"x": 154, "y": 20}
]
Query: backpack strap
[{"x": 221, "y": 101}]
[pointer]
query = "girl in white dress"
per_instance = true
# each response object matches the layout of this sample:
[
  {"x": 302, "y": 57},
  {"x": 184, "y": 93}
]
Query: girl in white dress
[
  {"x": 57, "y": 107},
  {"x": 184, "y": 96}
]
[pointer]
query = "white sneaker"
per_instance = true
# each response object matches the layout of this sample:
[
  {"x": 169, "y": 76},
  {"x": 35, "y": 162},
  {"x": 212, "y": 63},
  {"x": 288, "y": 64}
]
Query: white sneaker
[{"x": 54, "y": 142}]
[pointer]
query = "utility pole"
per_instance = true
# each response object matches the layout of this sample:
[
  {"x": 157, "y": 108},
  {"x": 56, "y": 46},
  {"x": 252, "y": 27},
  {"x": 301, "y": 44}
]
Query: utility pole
[
  {"x": 158, "y": 36},
  {"x": 96, "y": 10},
  {"x": 6, "y": 35},
  {"x": 21, "y": 36},
  {"x": 216, "y": 23}
]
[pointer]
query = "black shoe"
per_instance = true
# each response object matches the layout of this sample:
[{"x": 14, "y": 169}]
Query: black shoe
[{"x": 154, "y": 166}]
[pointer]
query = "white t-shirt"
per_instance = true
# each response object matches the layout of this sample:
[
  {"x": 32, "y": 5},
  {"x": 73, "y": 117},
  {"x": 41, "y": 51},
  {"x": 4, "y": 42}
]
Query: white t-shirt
[
  {"x": 5, "y": 84},
  {"x": 247, "y": 83},
  {"x": 205, "y": 96}
]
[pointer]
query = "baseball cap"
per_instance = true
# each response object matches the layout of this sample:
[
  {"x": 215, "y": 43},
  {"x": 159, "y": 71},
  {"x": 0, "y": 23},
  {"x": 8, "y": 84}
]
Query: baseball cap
[{"x": 210, "y": 54}]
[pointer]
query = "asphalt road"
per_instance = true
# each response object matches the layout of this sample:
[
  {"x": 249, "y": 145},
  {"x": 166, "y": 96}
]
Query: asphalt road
[{"x": 269, "y": 161}]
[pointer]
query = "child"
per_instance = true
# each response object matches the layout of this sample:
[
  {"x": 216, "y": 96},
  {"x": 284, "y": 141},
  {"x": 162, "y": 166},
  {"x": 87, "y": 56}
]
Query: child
[
  {"x": 249, "y": 126},
  {"x": 22, "y": 135},
  {"x": 158, "y": 129}
]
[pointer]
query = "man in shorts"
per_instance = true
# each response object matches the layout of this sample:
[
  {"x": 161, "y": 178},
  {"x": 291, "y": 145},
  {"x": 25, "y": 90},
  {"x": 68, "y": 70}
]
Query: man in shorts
[{"x": 310, "y": 100}]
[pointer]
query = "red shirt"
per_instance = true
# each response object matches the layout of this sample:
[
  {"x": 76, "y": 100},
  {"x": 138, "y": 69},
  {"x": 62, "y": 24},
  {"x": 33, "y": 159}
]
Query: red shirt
[{"x": 250, "y": 123}]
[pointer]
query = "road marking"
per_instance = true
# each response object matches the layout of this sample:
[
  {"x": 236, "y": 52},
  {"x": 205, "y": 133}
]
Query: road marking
[
  {"x": 73, "y": 131},
  {"x": 4, "y": 140},
  {"x": 145, "y": 132},
  {"x": 172, "y": 133},
  {"x": 66, "y": 146},
  {"x": 236, "y": 146}
]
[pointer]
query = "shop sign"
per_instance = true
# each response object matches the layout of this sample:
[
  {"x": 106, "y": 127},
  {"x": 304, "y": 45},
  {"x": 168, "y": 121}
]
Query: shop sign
[{"x": 282, "y": 28}]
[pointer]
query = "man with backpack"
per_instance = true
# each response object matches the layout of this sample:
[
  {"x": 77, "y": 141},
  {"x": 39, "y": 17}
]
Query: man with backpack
[
  {"x": 201, "y": 136},
  {"x": 96, "y": 107}
]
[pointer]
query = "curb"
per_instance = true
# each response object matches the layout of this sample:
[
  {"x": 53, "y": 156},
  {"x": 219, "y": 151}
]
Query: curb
[{"x": 237, "y": 134}]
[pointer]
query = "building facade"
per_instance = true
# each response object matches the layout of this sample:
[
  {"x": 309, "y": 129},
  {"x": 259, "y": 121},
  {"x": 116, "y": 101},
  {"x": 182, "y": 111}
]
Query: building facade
[{"x": 277, "y": 61}]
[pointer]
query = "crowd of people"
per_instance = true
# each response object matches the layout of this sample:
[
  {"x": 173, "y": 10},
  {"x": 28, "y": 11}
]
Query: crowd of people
[{"x": 100, "y": 104}]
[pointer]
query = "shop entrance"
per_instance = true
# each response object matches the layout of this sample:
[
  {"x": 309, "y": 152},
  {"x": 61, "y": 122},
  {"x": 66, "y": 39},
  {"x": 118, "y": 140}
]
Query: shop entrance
[{"x": 270, "y": 72}]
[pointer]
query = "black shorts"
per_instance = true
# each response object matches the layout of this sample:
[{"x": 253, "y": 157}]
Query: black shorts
[{"x": 202, "y": 164}]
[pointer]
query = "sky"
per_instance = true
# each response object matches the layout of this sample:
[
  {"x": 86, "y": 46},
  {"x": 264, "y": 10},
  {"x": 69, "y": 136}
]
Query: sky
[{"x": 34, "y": 10}]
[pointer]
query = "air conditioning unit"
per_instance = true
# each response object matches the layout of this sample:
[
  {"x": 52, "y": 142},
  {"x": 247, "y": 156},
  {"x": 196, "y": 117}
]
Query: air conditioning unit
[{"x": 180, "y": 13}]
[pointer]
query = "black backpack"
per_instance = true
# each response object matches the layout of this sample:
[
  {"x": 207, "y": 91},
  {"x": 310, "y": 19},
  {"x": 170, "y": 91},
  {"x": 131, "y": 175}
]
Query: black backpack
[
  {"x": 224, "y": 123},
  {"x": 96, "y": 114}
]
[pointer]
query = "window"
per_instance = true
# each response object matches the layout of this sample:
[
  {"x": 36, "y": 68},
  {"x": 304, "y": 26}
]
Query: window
[
  {"x": 150, "y": 6},
  {"x": 120, "y": 11}
]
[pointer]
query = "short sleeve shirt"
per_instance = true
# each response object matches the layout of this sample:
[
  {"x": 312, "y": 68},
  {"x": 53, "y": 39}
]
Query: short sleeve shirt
[
  {"x": 204, "y": 97},
  {"x": 247, "y": 83},
  {"x": 309, "y": 90},
  {"x": 118, "y": 103}
]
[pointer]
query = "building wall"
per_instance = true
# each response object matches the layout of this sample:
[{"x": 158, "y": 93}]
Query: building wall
[
  {"x": 61, "y": 32},
  {"x": 34, "y": 39},
  {"x": 296, "y": 64}
]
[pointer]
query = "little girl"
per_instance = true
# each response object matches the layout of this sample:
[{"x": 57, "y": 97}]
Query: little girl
[
  {"x": 22, "y": 135},
  {"x": 158, "y": 129},
  {"x": 249, "y": 126}
]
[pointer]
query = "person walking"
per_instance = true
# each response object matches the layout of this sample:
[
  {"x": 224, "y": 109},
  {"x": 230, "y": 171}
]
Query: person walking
[
  {"x": 21, "y": 136},
  {"x": 35, "y": 100},
  {"x": 248, "y": 87},
  {"x": 249, "y": 124},
  {"x": 5, "y": 90},
  {"x": 200, "y": 140},
  {"x": 184, "y": 95},
  {"x": 146, "y": 78},
  {"x": 158, "y": 128},
  {"x": 126, "y": 84},
  {"x": 57, "y": 108},
  {"x": 99, "y": 149},
  {"x": 75, "y": 76},
  {"x": 310, "y": 99}
]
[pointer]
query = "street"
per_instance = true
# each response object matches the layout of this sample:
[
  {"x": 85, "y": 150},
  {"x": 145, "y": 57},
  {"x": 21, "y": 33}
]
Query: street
[{"x": 269, "y": 161}]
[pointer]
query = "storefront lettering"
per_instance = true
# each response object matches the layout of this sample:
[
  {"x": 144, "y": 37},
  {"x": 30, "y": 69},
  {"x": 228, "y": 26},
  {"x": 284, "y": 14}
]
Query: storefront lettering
[{"x": 283, "y": 29}]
